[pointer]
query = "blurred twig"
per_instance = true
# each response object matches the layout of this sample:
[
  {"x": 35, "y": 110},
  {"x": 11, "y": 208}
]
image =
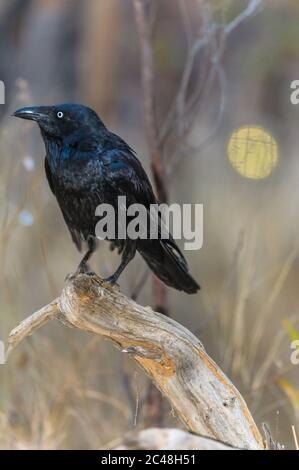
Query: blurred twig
[
  {"x": 143, "y": 11},
  {"x": 207, "y": 47},
  {"x": 144, "y": 14},
  {"x": 248, "y": 12}
]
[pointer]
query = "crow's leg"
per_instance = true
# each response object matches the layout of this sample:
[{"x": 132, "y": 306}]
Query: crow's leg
[
  {"x": 92, "y": 245},
  {"x": 127, "y": 256},
  {"x": 119, "y": 245}
]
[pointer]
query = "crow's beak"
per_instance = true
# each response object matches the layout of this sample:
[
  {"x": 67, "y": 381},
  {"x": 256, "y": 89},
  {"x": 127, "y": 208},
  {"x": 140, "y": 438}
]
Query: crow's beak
[{"x": 33, "y": 113}]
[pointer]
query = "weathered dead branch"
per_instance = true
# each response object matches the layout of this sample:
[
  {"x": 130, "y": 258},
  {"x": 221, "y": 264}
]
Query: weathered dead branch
[{"x": 199, "y": 392}]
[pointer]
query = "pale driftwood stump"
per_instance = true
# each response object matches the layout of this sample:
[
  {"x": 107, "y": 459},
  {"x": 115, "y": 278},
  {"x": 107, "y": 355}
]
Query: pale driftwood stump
[
  {"x": 201, "y": 395},
  {"x": 167, "y": 439}
]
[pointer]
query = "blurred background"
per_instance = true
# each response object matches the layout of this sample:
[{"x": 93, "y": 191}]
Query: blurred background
[{"x": 212, "y": 76}]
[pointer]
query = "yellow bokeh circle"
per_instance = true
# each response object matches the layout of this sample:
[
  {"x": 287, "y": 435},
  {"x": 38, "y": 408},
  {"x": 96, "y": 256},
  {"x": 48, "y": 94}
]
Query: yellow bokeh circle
[{"x": 253, "y": 152}]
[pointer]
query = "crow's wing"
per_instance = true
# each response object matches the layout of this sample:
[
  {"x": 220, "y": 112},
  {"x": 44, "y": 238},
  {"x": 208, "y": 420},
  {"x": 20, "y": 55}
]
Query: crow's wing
[
  {"x": 124, "y": 175},
  {"x": 49, "y": 175},
  {"x": 76, "y": 236}
]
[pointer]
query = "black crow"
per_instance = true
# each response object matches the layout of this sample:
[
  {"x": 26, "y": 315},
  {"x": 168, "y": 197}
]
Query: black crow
[{"x": 87, "y": 165}]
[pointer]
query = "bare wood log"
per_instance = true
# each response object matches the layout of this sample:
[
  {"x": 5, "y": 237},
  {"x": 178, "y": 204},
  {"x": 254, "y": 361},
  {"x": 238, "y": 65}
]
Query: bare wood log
[
  {"x": 199, "y": 392},
  {"x": 167, "y": 439}
]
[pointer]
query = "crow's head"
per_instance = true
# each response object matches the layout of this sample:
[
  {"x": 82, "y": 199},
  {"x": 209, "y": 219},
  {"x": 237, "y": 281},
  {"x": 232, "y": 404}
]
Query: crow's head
[{"x": 63, "y": 120}]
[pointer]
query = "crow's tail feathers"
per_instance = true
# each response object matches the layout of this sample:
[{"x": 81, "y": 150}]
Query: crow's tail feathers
[{"x": 168, "y": 263}]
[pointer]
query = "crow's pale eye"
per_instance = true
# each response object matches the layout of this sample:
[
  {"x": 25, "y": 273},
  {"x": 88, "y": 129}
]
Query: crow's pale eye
[{"x": 60, "y": 114}]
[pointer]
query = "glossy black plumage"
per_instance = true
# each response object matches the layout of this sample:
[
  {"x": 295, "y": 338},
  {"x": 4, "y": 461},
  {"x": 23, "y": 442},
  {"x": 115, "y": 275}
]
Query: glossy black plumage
[{"x": 86, "y": 165}]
